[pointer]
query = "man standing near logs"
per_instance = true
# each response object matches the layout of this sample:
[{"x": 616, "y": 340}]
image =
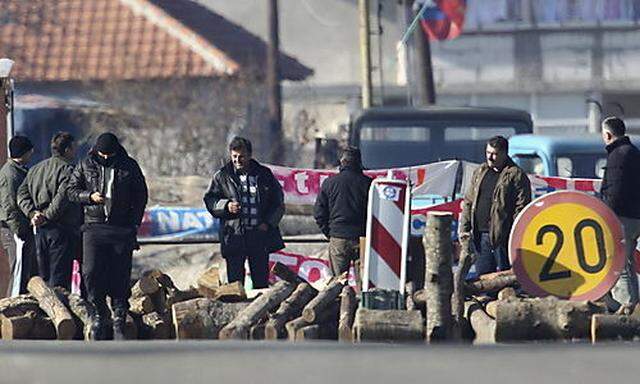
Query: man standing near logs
[
  {"x": 16, "y": 235},
  {"x": 621, "y": 192},
  {"x": 341, "y": 210},
  {"x": 111, "y": 187},
  {"x": 249, "y": 202},
  {"x": 498, "y": 191},
  {"x": 42, "y": 197}
]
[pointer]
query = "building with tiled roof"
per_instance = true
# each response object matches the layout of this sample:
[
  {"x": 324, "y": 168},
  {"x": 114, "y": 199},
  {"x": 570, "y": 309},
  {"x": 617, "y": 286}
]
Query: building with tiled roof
[{"x": 96, "y": 40}]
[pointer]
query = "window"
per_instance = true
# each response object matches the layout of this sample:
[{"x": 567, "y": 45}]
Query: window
[
  {"x": 565, "y": 167},
  {"x": 600, "y": 164},
  {"x": 395, "y": 134},
  {"x": 531, "y": 164},
  {"x": 476, "y": 133}
]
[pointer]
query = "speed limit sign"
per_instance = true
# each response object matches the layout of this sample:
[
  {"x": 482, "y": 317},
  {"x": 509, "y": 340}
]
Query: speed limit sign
[{"x": 567, "y": 244}]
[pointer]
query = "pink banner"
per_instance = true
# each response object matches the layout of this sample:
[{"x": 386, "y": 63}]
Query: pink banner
[{"x": 301, "y": 186}]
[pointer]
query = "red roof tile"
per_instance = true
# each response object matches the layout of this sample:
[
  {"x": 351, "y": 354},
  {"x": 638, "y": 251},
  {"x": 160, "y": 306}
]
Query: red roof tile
[{"x": 66, "y": 40}]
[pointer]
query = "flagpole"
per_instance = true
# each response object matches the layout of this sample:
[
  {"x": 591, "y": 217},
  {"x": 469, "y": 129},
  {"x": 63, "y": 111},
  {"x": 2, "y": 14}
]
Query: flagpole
[{"x": 414, "y": 23}]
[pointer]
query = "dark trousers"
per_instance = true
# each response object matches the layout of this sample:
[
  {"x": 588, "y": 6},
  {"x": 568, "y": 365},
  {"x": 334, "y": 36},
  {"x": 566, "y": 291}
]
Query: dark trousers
[
  {"x": 341, "y": 253},
  {"x": 251, "y": 246},
  {"x": 29, "y": 265},
  {"x": 106, "y": 267},
  {"x": 489, "y": 259},
  {"x": 56, "y": 247}
]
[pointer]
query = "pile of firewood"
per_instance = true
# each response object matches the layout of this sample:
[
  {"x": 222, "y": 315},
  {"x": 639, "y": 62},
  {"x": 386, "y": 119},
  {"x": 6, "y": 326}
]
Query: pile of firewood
[{"x": 448, "y": 308}]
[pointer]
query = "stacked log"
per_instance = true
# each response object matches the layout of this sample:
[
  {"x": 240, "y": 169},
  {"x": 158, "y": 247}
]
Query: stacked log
[
  {"x": 438, "y": 278},
  {"x": 290, "y": 308},
  {"x": 240, "y": 326},
  {"x": 388, "y": 325},
  {"x": 48, "y": 301},
  {"x": 203, "y": 318}
]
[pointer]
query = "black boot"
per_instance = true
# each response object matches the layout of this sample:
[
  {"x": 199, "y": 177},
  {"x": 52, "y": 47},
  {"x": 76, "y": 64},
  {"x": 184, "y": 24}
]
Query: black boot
[
  {"x": 120, "y": 309},
  {"x": 101, "y": 320}
]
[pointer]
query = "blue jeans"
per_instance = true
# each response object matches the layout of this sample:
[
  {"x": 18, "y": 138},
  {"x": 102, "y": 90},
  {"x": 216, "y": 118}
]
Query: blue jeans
[{"x": 489, "y": 259}]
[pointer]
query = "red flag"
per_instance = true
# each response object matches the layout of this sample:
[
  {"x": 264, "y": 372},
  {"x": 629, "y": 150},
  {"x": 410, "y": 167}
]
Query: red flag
[{"x": 443, "y": 19}]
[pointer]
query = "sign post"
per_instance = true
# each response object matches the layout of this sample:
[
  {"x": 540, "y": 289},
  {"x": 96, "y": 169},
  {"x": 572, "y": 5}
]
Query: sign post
[
  {"x": 567, "y": 244},
  {"x": 385, "y": 260}
]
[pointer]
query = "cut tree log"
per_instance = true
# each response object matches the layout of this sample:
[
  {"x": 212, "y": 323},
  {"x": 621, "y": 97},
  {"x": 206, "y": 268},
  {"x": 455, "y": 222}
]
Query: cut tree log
[
  {"x": 323, "y": 300},
  {"x": 467, "y": 259},
  {"x": 507, "y": 293},
  {"x": 232, "y": 292},
  {"x": 157, "y": 326},
  {"x": 482, "y": 324},
  {"x": 492, "y": 282},
  {"x": 409, "y": 290},
  {"x": 438, "y": 278},
  {"x": 82, "y": 311},
  {"x": 162, "y": 278},
  {"x": 544, "y": 319},
  {"x": 329, "y": 315},
  {"x": 322, "y": 331},
  {"x": 48, "y": 301},
  {"x": 388, "y": 325},
  {"x": 289, "y": 309},
  {"x": 614, "y": 327},
  {"x": 141, "y": 305},
  {"x": 286, "y": 274},
  {"x": 19, "y": 305},
  {"x": 257, "y": 332},
  {"x": 203, "y": 318},
  {"x": 174, "y": 295},
  {"x": 209, "y": 282},
  {"x": 18, "y": 327},
  {"x": 348, "y": 306},
  {"x": 240, "y": 326},
  {"x": 146, "y": 286}
]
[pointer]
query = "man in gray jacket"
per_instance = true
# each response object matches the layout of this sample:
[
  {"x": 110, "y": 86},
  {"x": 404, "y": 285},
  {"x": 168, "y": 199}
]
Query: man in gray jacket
[
  {"x": 43, "y": 198},
  {"x": 15, "y": 231}
]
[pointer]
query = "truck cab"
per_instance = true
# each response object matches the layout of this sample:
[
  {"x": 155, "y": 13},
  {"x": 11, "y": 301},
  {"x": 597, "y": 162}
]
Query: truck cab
[
  {"x": 399, "y": 137},
  {"x": 578, "y": 156}
]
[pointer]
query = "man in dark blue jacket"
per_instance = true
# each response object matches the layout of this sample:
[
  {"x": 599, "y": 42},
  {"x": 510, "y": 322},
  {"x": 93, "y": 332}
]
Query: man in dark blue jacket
[
  {"x": 621, "y": 191},
  {"x": 341, "y": 210}
]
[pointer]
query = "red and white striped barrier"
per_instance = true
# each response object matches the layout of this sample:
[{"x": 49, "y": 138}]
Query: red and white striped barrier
[{"x": 388, "y": 217}]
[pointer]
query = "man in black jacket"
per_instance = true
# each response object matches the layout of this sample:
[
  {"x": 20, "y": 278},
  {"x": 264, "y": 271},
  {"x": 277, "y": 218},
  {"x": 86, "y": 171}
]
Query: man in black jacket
[
  {"x": 341, "y": 210},
  {"x": 16, "y": 235},
  {"x": 249, "y": 202},
  {"x": 111, "y": 187},
  {"x": 621, "y": 191},
  {"x": 42, "y": 197}
]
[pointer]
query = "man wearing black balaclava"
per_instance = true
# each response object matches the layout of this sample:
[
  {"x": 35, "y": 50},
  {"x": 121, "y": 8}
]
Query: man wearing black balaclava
[{"x": 111, "y": 187}]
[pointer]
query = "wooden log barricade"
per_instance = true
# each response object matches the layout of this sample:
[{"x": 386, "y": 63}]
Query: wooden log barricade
[
  {"x": 348, "y": 306},
  {"x": 388, "y": 325}
]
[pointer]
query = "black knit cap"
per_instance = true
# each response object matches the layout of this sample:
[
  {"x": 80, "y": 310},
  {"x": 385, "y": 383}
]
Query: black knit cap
[
  {"x": 107, "y": 143},
  {"x": 18, "y": 146}
]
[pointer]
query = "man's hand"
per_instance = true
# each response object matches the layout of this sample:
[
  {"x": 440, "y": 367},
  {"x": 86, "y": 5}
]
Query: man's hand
[
  {"x": 263, "y": 227},
  {"x": 97, "y": 198},
  {"x": 38, "y": 219},
  {"x": 233, "y": 207},
  {"x": 464, "y": 236}
]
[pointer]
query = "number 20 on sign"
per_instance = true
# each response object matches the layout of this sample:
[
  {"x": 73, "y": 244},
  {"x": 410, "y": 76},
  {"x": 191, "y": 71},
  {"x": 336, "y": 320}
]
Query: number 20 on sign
[{"x": 567, "y": 244}]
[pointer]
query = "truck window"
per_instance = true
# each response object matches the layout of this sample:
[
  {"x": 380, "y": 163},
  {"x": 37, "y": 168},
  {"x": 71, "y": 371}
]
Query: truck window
[
  {"x": 476, "y": 133},
  {"x": 395, "y": 134},
  {"x": 531, "y": 164},
  {"x": 581, "y": 165}
]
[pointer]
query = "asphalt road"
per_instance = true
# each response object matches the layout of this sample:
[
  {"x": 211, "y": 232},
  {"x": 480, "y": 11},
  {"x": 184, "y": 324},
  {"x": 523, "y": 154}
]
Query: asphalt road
[{"x": 258, "y": 362}]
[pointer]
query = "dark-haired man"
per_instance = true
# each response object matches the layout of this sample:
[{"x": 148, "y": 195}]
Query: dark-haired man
[
  {"x": 249, "y": 202},
  {"x": 42, "y": 197},
  {"x": 341, "y": 210},
  {"x": 498, "y": 191},
  {"x": 112, "y": 189},
  {"x": 621, "y": 192},
  {"x": 15, "y": 232}
]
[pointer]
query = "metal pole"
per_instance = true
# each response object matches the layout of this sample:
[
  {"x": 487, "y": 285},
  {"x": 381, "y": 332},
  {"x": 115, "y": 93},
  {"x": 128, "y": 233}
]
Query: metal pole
[
  {"x": 365, "y": 52},
  {"x": 274, "y": 89},
  {"x": 426, "y": 93}
]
